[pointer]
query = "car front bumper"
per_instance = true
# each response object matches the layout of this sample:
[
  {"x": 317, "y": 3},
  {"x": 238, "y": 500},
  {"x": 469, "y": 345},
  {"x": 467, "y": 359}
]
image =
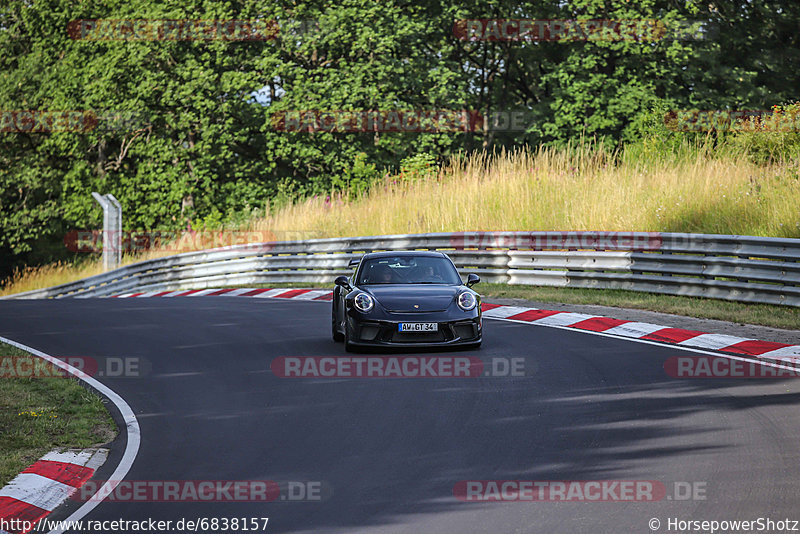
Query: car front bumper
[{"x": 368, "y": 332}]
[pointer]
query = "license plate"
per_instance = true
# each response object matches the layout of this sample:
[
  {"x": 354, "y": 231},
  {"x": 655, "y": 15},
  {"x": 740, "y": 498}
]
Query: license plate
[{"x": 418, "y": 327}]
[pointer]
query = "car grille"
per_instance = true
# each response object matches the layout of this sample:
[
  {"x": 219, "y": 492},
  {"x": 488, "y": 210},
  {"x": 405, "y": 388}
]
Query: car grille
[
  {"x": 417, "y": 337},
  {"x": 382, "y": 332}
]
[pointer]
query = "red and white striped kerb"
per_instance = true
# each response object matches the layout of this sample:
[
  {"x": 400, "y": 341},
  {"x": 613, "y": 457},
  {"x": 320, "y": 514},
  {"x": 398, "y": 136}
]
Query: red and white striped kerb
[{"x": 40, "y": 488}]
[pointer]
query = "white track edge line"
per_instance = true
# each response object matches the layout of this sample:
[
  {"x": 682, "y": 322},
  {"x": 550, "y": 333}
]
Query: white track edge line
[{"x": 129, "y": 418}]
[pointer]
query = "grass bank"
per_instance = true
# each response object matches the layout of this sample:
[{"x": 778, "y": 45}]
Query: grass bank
[
  {"x": 40, "y": 414},
  {"x": 584, "y": 188}
]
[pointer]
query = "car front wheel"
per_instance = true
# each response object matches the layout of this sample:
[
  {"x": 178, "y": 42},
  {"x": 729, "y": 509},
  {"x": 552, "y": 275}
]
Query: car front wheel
[
  {"x": 337, "y": 336},
  {"x": 348, "y": 346}
]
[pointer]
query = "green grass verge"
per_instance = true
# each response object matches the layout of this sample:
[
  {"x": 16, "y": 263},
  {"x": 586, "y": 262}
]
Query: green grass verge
[
  {"x": 40, "y": 414},
  {"x": 723, "y": 310}
]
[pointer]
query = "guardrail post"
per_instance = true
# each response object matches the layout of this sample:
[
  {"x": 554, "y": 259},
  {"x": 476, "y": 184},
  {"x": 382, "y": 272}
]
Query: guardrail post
[{"x": 112, "y": 230}]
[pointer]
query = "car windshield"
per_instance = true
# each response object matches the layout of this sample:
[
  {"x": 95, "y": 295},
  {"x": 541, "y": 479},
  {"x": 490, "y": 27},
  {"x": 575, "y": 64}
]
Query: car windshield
[{"x": 408, "y": 270}]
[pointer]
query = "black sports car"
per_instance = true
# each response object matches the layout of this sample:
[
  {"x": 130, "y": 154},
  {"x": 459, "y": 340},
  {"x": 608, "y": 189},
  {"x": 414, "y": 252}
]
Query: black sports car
[{"x": 406, "y": 299}]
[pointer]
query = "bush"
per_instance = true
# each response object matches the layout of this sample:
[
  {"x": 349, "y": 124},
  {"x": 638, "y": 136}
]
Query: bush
[
  {"x": 770, "y": 139},
  {"x": 358, "y": 178},
  {"x": 418, "y": 167},
  {"x": 651, "y": 139},
  {"x": 765, "y": 140}
]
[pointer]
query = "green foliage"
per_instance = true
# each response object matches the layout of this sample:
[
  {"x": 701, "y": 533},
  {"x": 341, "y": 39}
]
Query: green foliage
[
  {"x": 358, "y": 178},
  {"x": 769, "y": 138},
  {"x": 773, "y": 139},
  {"x": 650, "y": 139},
  {"x": 420, "y": 166}
]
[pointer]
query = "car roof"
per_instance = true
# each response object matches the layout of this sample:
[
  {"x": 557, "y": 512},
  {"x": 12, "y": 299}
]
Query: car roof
[{"x": 407, "y": 253}]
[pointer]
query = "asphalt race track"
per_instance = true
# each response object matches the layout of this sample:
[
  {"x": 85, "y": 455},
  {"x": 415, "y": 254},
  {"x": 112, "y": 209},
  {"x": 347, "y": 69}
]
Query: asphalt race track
[{"x": 389, "y": 451}]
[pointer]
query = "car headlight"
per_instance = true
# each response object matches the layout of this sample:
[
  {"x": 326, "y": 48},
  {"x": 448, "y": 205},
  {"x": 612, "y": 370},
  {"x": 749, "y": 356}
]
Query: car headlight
[
  {"x": 363, "y": 302},
  {"x": 467, "y": 301}
]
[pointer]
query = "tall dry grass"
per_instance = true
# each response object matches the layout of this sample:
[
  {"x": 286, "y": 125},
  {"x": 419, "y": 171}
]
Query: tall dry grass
[
  {"x": 61, "y": 273},
  {"x": 583, "y": 187},
  {"x": 551, "y": 189}
]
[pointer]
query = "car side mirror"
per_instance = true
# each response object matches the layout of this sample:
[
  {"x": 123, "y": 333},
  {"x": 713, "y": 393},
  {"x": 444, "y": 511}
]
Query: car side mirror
[
  {"x": 342, "y": 281},
  {"x": 472, "y": 279}
]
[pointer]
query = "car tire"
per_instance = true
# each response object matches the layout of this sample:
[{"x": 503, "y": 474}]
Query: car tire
[
  {"x": 349, "y": 347},
  {"x": 337, "y": 336}
]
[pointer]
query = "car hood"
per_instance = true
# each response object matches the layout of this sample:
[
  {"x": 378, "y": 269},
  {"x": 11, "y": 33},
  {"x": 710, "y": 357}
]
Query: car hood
[{"x": 403, "y": 297}]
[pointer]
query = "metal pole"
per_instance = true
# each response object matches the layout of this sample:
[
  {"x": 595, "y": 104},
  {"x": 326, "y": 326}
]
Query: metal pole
[
  {"x": 112, "y": 226},
  {"x": 116, "y": 237}
]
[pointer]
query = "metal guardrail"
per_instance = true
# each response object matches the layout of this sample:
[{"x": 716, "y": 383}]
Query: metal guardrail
[{"x": 738, "y": 268}]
